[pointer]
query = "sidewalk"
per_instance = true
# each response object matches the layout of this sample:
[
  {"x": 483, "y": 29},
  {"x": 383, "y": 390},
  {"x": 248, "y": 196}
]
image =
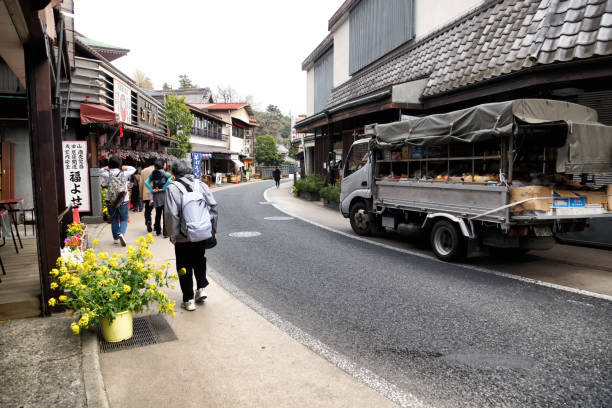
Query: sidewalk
[{"x": 226, "y": 355}]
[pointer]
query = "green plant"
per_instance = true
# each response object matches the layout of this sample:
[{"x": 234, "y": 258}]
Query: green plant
[
  {"x": 324, "y": 192},
  {"x": 102, "y": 286},
  {"x": 311, "y": 184},
  {"x": 294, "y": 190},
  {"x": 334, "y": 194},
  {"x": 103, "y": 199}
]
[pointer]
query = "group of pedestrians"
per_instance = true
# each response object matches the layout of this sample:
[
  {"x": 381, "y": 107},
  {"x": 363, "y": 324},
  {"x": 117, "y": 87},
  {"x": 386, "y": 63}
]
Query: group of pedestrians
[{"x": 185, "y": 212}]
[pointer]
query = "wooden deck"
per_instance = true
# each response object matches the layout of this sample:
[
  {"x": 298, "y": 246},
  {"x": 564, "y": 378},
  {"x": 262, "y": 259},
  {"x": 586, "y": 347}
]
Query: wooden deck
[{"x": 20, "y": 287}]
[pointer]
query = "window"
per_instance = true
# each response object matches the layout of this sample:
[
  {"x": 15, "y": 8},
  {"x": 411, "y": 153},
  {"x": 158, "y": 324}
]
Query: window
[
  {"x": 323, "y": 79},
  {"x": 377, "y": 27},
  {"x": 357, "y": 158}
]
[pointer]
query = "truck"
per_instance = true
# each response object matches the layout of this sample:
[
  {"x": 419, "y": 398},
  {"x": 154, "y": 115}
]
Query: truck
[{"x": 497, "y": 177}]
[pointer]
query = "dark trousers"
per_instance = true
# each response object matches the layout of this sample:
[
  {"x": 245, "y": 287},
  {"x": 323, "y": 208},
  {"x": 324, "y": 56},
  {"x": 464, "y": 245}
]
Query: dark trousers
[
  {"x": 160, "y": 222},
  {"x": 190, "y": 255},
  {"x": 148, "y": 211},
  {"x": 277, "y": 181}
]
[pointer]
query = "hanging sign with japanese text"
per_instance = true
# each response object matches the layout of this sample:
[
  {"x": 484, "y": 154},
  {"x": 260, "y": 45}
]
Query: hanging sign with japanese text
[
  {"x": 196, "y": 164},
  {"x": 122, "y": 96},
  {"x": 76, "y": 174}
]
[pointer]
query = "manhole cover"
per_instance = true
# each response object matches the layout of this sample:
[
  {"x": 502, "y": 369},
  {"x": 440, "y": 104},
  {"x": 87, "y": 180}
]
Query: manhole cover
[
  {"x": 267, "y": 202},
  {"x": 244, "y": 234},
  {"x": 148, "y": 330},
  {"x": 278, "y": 218},
  {"x": 490, "y": 361}
]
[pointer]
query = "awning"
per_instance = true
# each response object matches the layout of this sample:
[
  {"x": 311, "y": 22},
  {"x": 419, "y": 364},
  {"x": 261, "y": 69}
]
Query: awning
[
  {"x": 239, "y": 123},
  {"x": 202, "y": 148},
  {"x": 92, "y": 113},
  {"x": 238, "y": 163}
]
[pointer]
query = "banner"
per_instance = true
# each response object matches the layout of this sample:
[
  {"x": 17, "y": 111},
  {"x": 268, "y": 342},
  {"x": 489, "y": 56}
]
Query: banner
[
  {"x": 196, "y": 164},
  {"x": 76, "y": 174},
  {"x": 122, "y": 100}
]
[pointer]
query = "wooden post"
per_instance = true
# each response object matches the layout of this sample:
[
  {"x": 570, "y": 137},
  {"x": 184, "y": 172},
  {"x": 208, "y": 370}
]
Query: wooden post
[{"x": 44, "y": 174}]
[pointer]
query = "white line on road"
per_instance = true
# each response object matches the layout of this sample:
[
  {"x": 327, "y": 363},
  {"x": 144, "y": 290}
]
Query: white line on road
[
  {"x": 379, "y": 384},
  {"x": 414, "y": 253}
]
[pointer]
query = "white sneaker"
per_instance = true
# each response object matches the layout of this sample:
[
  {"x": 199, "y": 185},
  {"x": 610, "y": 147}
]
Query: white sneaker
[
  {"x": 122, "y": 240},
  {"x": 200, "y": 295},
  {"x": 116, "y": 242},
  {"x": 189, "y": 305}
]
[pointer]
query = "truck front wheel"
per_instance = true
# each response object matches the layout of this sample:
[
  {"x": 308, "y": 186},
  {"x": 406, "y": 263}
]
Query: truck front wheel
[
  {"x": 447, "y": 242},
  {"x": 360, "y": 219}
]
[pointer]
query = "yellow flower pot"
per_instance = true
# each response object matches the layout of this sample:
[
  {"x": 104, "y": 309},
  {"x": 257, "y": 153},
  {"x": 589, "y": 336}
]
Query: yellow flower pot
[{"x": 122, "y": 328}]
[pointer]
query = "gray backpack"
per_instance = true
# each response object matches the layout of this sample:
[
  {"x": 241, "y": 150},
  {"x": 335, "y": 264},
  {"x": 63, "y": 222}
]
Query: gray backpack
[
  {"x": 117, "y": 189},
  {"x": 195, "y": 217}
]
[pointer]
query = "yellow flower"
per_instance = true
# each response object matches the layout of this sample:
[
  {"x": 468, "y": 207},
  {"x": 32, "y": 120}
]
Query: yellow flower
[
  {"x": 96, "y": 241},
  {"x": 182, "y": 271},
  {"x": 75, "y": 328},
  {"x": 53, "y": 285},
  {"x": 63, "y": 298},
  {"x": 149, "y": 238},
  {"x": 126, "y": 289},
  {"x": 84, "y": 320},
  {"x": 54, "y": 272},
  {"x": 174, "y": 276},
  {"x": 52, "y": 302},
  {"x": 63, "y": 269},
  {"x": 152, "y": 286},
  {"x": 116, "y": 295}
]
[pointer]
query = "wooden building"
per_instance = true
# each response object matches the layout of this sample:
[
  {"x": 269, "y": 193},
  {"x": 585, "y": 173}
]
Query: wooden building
[{"x": 447, "y": 55}]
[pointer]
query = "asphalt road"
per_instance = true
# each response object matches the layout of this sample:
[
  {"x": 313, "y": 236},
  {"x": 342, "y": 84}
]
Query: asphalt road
[{"x": 447, "y": 334}]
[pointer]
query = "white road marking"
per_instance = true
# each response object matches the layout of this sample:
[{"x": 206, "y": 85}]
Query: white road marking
[
  {"x": 244, "y": 234},
  {"x": 374, "y": 381},
  {"x": 476, "y": 268}
]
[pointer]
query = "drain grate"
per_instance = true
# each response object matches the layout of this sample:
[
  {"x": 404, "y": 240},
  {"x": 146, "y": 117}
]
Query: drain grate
[{"x": 148, "y": 330}]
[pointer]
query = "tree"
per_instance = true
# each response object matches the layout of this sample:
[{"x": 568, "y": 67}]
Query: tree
[
  {"x": 226, "y": 95},
  {"x": 265, "y": 151},
  {"x": 273, "y": 122},
  {"x": 180, "y": 121},
  {"x": 293, "y": 150},
  {"x": 166, "y": 86},
  {"x": 142, "y": 80},
  {"x": 185, "y": 82}
]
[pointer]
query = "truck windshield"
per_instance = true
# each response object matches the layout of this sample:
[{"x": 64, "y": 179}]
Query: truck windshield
[{"x": 357, "y": 158}]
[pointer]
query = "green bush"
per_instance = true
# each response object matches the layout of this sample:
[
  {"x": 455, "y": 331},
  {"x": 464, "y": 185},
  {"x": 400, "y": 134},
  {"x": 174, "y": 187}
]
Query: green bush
[
  {"x": 311, "y": 184},
  {"x": 334, "y": 193}
]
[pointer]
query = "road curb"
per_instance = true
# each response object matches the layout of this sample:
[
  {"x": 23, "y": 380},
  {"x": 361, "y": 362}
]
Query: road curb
[{"x": 95, "y": 391}]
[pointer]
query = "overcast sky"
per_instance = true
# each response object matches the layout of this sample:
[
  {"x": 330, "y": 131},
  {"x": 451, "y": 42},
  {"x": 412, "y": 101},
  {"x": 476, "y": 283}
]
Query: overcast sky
[{"x": 256, "y": 47}]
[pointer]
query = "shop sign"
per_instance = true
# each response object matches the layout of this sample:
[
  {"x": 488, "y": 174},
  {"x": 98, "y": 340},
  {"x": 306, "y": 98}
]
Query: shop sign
[
  {"x": 196, "y": 164},
  {"x": 76, "y": 174},
  {"x": 147, "y": 114},
  {"x": 122, "y": 100}
]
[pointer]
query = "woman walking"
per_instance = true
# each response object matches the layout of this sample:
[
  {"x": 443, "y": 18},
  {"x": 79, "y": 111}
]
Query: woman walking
[
  {"x": 157, "y": 183},
  {"x": 116, "y": 177}
]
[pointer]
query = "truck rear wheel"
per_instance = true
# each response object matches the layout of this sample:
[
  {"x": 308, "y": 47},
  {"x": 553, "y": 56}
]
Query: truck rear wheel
[
  {"x": 359, "y": 217},
  {"x": 447, "y": 242}
]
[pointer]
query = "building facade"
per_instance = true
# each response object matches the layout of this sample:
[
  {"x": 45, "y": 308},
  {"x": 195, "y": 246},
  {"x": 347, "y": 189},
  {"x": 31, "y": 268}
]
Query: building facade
[{"x": 385, "y": 59}]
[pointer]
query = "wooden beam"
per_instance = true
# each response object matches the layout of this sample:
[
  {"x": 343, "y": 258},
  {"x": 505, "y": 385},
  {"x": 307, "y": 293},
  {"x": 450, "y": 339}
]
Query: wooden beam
[{"x": 44, "y": 174}]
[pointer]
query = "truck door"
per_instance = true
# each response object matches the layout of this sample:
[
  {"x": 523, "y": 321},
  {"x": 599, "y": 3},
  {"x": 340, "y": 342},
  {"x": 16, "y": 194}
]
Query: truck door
[{"x": 356, "y": 173}]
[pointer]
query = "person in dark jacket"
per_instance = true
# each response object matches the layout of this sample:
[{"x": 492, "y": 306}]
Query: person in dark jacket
[
  {"x": 157, "y": 183},
  {"x": 276, "y": 174}
]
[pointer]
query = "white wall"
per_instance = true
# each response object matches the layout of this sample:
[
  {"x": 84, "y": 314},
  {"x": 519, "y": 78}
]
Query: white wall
[
  {"x": 310, "y": 92},
  {"x": 207, "y": 141},
  {"x": 236, "y": 144},
  {"x": 341, "y": 53},
  {"x": 431, "y": 15}
]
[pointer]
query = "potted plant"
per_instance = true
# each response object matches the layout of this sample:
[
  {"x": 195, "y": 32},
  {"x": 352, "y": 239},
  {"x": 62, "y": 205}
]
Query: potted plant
[
  {"x": 105, "y": 290},
  {"x": 76, "y": 236}
]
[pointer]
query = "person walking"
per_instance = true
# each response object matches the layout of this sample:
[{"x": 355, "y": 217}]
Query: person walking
[
  {"x": 116, "y": 177},
  {"x": 137, "y": 204},
  {"x": 145, "y": 194},
  {"x": 190, "y": 258},
  {"x": 276, "y": 174},
  {"x": 157, "y": 184}
]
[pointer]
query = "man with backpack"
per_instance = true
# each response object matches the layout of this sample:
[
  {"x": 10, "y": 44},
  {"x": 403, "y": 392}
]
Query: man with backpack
[
  {"x": 116, "y": 177},
  {"x": 191, "y": 221},
  {"x": 157, "y": 183}
]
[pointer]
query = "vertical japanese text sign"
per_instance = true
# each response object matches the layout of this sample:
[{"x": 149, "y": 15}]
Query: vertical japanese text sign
[
  {"x": 122, "y": 101},
  {"x": 196, "y": 162},
  {"x": 76, "y": 174}
]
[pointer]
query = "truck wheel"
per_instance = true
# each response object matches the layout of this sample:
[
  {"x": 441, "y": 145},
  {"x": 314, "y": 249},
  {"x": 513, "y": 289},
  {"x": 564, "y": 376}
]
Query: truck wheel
[
  {"x": 447, "y": 242},
  {"x": 360, "y": 219}
]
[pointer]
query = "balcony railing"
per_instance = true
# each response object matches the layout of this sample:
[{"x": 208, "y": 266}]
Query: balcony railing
[{"x": 208, "y": 133}]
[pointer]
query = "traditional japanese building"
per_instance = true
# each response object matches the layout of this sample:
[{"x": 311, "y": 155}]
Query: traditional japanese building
[{"x": 383, "y": 60}]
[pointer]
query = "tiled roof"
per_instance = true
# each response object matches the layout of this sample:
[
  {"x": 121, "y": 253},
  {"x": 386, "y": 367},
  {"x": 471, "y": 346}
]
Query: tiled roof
[
  {"x": 220, "y": 106},
  {"x": 503, "y": 37}
]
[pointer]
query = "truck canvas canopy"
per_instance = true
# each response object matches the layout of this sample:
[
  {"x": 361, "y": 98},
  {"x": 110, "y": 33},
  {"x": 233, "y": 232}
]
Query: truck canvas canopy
[{"x": 587, "y": 148}]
